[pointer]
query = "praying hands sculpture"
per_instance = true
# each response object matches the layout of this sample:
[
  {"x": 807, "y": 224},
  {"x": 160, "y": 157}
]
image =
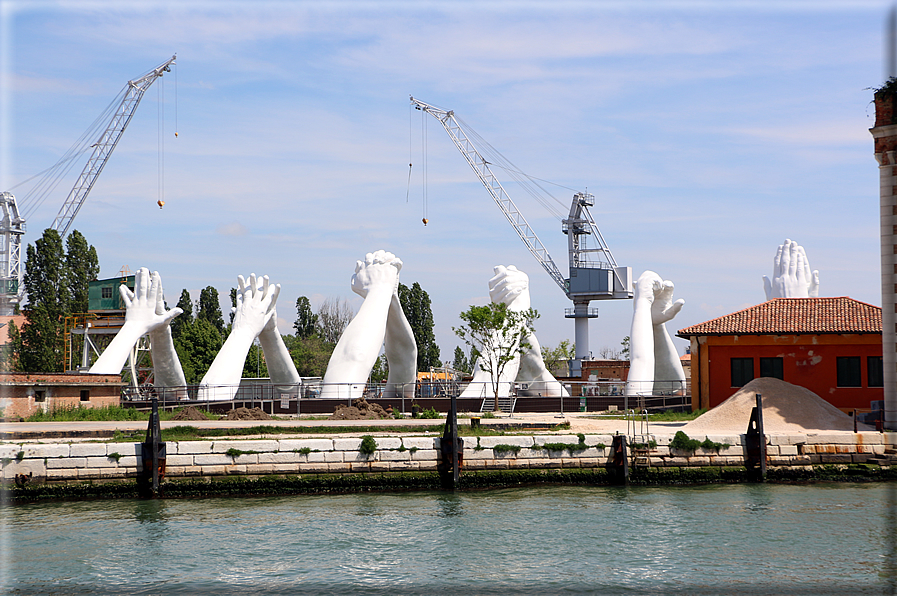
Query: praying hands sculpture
[{"x": 792, "y": 277}]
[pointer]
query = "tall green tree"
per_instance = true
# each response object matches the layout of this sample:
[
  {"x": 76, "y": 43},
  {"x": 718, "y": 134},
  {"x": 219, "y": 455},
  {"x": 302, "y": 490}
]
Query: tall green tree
[
  {"x": 210, "y": 309},
  {"x": 198, "y": 344},
  {"x": 556, "y": 359},
  {"x": 498, "y": 334},
  {"x": 416, "y": 305},
  {"x": 306, "y": 320},
  {"x": 185, "y": 303},
  {"x": 38, "y": 346},
  {"x": 460, "y": 361},
  {"x": 334, "y": 315},
  {"x": 82, "y": 267},
  {"x": 310, "y": 354}
]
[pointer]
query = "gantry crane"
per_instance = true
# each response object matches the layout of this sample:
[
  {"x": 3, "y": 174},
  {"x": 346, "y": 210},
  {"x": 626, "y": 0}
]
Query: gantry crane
[
  {"x": 593, "y": 271},
  {"x": 12, "y": 224}
]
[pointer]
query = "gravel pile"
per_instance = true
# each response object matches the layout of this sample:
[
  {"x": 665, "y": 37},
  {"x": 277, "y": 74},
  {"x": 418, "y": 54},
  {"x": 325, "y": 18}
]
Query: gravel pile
[
  {"x": 359, "y": 410},
  {"x": 787, "y": 408},
  {"x": 190, "y": 413},
  {"x": 247, "y": 414}
]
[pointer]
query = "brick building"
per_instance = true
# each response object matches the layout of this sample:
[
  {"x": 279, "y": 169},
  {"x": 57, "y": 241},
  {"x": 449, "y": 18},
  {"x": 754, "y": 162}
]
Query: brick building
[
  {"x": 23, "y": 394},
  {"x": 831, "y": 346}
]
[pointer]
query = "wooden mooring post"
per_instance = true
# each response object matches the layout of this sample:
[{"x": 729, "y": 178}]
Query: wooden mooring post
[
  {"x": 452, "y": 450},
  {"x": 152, "y": 456},
  {"x": 755, "y": 445},
  {"x": 619, "y": 466}
]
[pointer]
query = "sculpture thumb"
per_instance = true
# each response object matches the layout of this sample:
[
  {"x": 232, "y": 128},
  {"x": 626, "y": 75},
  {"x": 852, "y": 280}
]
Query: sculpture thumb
[
  {"x": 676, "y": 307},
  {"x": 767, "y": 287},
  {"x": 170, "y": 315},
  {"x": 126, "y": 295}
]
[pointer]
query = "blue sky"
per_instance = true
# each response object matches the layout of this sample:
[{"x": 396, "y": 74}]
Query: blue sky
[{"x": 708, "y": 132}]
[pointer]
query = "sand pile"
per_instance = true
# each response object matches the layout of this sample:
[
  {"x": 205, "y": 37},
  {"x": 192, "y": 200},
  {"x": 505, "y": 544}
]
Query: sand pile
[
  {"x": 786, "y": 408},
  {"x": 247, "y": 414},
  {"x": 359, "y": 410},
  {"x": 190, "y": 413}
]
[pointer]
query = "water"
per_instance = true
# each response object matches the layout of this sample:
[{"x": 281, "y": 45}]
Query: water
[{"x": 722, "y": 539}]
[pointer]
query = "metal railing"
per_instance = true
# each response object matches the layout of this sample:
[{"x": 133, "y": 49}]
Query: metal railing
[{"x": 316, "y": 397}]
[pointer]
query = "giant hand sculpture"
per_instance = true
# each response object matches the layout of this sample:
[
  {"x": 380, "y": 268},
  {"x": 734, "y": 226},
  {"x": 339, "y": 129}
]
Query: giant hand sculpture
[
  {"x": 654, "y": 365},
  {"x": 143, "y": 316},
  {"x": 255, "y": 309},
  {"x": 376, "y": 278},
  {"x": 792, "y": 277},
  {"x": 510, "y": 286},
  {"x": 168, "y": 375}
]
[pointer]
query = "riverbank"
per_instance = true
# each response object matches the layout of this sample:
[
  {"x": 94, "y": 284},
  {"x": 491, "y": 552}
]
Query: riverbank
[{"x": 41, "y": 468}]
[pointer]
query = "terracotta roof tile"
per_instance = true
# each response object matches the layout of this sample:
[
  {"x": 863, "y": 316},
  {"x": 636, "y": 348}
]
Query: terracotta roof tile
[{"x": 791, "y": 316}]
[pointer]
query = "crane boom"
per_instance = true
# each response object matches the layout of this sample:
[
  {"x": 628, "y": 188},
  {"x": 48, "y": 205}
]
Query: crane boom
[
  {"x": 105, "y": 145},
  {"x": 481, "y": 168}
]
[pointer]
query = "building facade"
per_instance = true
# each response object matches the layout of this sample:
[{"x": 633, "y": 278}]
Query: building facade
[{"x": 831, "y": 346}]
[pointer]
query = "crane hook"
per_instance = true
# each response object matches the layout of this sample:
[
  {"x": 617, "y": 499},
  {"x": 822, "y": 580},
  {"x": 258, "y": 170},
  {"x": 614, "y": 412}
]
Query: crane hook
[
  {"x": 425, "y": 220},
  {"x": 160, "y": 203}
]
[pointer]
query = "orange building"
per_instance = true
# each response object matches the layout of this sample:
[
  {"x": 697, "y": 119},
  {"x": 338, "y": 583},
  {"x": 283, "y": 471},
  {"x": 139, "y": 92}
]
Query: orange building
[{"x": 831, "y": 346}]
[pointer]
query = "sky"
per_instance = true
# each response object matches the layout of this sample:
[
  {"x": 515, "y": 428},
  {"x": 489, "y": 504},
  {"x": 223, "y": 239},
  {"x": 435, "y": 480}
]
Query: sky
[{"x": 708, "y": 132}]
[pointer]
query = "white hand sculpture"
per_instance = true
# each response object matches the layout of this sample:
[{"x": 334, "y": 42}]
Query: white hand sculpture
[
  {"x": 140, "y": 319},
  {"x": 510, "y": 286},
  {"x": 792, "y": 277},
  {"x": 255, "y": 308},
  {"x": 376, "y": 278},
  {"x": 663, "y": 308}
]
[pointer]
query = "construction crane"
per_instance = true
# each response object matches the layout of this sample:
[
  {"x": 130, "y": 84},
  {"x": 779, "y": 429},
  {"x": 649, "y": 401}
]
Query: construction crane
[
  {"x": 103, "y": 148},
  {"x": 593, "y": 271},
  {"x": 12, "y": 224}
]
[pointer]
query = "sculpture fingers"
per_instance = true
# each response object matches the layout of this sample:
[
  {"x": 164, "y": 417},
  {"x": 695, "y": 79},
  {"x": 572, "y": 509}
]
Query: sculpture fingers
[
  {"x": 674, "y": 308},
  {"x": 127, "y": 296},
  {"x": 814, "y": 285},
  {"x": 767, "y": 287},
  {"x": 171, "y": 314}
]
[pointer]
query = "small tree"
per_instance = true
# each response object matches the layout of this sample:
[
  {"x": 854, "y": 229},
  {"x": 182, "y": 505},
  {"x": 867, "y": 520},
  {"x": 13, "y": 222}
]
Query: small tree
[
  {"x": 498, "y": 334},
  {"x": 306, "y": 320},
  {"x": 460, "y": 361},
  {"x": 334, "y": 315},
  {"x": 556, "y": 359}
]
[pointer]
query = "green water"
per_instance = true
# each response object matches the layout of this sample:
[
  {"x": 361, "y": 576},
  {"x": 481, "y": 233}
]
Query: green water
[{"x": 722, "y": 539}]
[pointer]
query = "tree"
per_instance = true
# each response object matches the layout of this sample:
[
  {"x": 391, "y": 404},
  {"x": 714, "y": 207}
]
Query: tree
[
  {"x": 556, "y": 359},
  {"x": 380, "y": 370},
  {"x": 306, "y": 320},
  {"x": 82, "y": 267},
  {"x": 210, "y": 309},
  {"x": 255, "y": 365},
  {"x": 499, "y": 334},
  {"x": 233, "y": 304},
  {"x": 624, "y": 353},
  {"x": 38, "y": 345},
  {"x": 334, "y": 315},
  {"x": 416, "y": 305},
  {"x": 460, "y": 361},
  {"x": 310, "y": 354},
  {"x": 186, "y": 318},
  {"x": 199, "y": 343}
]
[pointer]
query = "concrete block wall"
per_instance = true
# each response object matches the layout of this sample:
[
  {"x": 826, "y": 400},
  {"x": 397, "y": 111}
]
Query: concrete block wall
[{"x": 101, "y": 461}]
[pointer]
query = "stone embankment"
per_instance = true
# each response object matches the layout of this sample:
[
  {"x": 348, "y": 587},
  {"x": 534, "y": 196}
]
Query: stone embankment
[{"x": 62, "y": 462}]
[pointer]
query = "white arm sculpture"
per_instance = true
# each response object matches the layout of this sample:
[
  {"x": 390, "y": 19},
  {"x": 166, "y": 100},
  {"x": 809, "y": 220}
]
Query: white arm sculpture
[
  {"x": 255, "y": 307},
  {"x": 652, "y": 355},
  {"x": 167, "y": 370},
  {"x": 792, "y": 277},
  {"x": 511, "y": 286},
  {"x": 141, "y": 318},
  {"x": 281, "y": 368},
  {"x": 376, "y": 278}
]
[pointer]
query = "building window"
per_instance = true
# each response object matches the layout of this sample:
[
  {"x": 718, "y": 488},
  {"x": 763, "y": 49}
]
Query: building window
[
  {"x": 742, "y": 371},
  {"x": 875, "y": 371},
  {"x": 849, "y": 373},
  {"x": 772, "y": 367},
  {"x": 106, "y": 293},
  {"x": 40, "y": 395},
  {"x": 85, "y": 395}
]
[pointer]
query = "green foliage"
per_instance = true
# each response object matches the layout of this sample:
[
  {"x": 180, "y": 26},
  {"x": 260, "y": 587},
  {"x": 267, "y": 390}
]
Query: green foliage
[
  {"x": 624, "y": 353},
  {"x": 82, "y": 267},
  {"x": 368, "y": 445},
  {"x": 683, "y": 443},
  {"x": 255, "y": 366},
  {"x": 114, "y": 456},
  {"x": 416, "y": 305},
  {"x": 78, "y": 414},
  {"x": 306, "y": 320},
  {"x": 197, "y": 347},
  {"x": 20, "y": 455},
  {"x": 179, "y": 322},
  {"x": 304, "y": 450},
  {"x": 487, "y": 415},
  {"x": 210, "y": 309},
  {"x": 235, "y": 453},
  {"x": 556, "y": 359},
  {"x": 498, "y": 333},
  {"x": 460, "y": 361},
  {"x": 429, "y": 413},
  {"x": 380, "y": 370},
  {"x": 502, "y": 448},
  {"x": 713, "y": 445},
  {"x": 652, "y": 444},
  {"x": 310, "y": 354}
]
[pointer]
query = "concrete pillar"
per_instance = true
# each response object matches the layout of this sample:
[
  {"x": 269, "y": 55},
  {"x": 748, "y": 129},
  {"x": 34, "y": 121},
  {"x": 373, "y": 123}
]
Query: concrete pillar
[{"x": 885, "y": 135}]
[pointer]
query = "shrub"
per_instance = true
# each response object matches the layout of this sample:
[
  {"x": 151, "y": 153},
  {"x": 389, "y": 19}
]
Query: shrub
[
  {"x": 502, "y": 448},
  {"x": 368, "y": 445},
  {"x": 683, "y": 443},
  {"x": 430, "y": 413},
  {"x": 114, "y": 456}
]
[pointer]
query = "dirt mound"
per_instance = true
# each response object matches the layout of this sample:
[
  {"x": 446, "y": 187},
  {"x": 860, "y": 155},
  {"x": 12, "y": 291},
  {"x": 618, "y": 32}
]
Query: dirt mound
[
  {"x": 786, "y": 408},
  {"x": 247, "y": 414},
  {"x": 359, "y": 410},
  {"x": 190, "y": 413}
]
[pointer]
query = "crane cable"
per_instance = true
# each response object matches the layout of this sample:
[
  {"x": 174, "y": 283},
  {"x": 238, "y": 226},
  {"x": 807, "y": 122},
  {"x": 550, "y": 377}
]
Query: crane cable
[
  {"x": 410, "y": 148},
  {"x": 423, "y": 140},
  {"x": 160, "y": 132}
]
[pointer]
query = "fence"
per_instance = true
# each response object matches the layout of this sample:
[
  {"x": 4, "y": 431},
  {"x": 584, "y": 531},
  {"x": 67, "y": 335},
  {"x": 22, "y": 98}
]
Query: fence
[{"x": 306, "y": 398}]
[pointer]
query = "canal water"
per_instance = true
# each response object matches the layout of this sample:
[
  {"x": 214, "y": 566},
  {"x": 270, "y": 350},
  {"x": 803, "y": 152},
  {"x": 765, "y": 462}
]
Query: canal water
[{"x": 718, "y": 539}]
